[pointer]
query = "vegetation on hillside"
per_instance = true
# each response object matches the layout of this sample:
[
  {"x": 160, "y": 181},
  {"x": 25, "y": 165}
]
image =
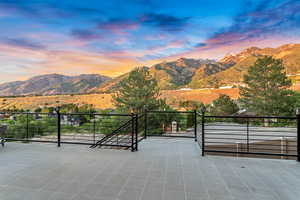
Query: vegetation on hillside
[
  {"x": 190, "y": 105},
  {"x": 50, "y": 84},
  {"x": 229, "y": 70}
]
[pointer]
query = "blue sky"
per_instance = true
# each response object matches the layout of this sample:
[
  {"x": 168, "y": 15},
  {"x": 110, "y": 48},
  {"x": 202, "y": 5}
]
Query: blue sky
[{"x": 112, "y": 37}]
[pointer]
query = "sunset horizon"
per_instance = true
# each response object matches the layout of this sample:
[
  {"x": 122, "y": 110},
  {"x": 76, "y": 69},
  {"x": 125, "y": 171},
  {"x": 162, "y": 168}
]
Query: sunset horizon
[{"x": 75, "y": 38}]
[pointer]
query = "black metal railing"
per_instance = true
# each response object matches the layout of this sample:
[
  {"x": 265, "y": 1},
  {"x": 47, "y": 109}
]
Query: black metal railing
[
  {"x": 218, "y": 135},
  {"x": 70, "y": 128},
  {"x": 122, "y": 136},
  {"x": 29, "y": 126},
  {"x": 270, "y": 137}
]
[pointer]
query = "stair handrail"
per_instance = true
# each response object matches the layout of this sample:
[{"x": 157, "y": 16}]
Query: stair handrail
[{"x": 111, "y": 134}]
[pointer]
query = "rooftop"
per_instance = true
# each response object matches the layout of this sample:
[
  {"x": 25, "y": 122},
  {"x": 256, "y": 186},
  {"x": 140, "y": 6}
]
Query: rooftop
[{"x": 161, "y": 169}]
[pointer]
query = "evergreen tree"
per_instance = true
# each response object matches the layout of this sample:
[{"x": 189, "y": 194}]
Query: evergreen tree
[
  {"x": 266, "y": 90},
  {"x": 137, "y": 92},
  {"x": 224, "y": 106},
  {"x": 189, "y": 105}
]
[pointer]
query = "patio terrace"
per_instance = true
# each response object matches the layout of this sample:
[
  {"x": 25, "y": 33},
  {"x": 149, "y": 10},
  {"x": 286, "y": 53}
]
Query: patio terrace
[{"x": 168, "y": 169}]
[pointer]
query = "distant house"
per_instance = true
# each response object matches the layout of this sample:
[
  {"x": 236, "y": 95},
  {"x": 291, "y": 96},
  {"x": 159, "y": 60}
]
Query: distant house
[
  {"x": 13, "y": 117},
  {"x": 70, "y": 120},
  {"x": 185, "y": 89},
  {"x": 226, "y": 87},
  {"x": 37, "y": 116},
  {"x": 52, "y": 115},
  {"x": 245, "y": 113}
]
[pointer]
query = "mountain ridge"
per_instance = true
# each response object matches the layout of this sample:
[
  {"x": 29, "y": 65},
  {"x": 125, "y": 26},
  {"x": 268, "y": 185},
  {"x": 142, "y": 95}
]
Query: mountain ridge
[
  {"x": 180, "y": 73},
  {"x": 51, "y": 84},
  {"x": 204, "y": 73}
]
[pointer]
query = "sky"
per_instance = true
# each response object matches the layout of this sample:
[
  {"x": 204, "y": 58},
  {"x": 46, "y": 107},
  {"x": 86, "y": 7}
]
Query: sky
[{"x": 111, "y": 37}]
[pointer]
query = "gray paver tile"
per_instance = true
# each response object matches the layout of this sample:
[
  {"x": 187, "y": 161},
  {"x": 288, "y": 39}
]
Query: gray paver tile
[
  {"x": 130, "y": 194},
  {"x": 161, "y": 170},
  {"x": 173, "y": 195}
]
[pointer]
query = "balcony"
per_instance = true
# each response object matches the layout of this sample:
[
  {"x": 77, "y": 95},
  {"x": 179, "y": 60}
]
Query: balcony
[{"x": 162, "y": 169}]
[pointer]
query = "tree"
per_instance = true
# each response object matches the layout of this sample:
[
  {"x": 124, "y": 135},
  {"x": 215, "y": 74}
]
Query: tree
[
  {"x": 137, "y": 92},
  {"x": 224, "y": 106},
  {"x": 214, "y": 82},
  {"x": 266, "y": 90},
  {"x": 293, "y": 104},
  {"x": 38, "y": 110},
  {"x": 191, "y": 105}
]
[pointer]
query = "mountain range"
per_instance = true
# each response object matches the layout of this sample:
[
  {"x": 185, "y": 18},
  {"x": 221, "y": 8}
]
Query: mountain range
[
  {"x": 51, "y": 84},
  {"x": 203, "y": 73},
  {"x": 181, "y": 73}
]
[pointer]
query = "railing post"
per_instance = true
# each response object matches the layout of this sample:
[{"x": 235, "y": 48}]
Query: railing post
[
  {"x": 27, "y": 126},
  {"x": 94, "y": 128},
  {"x": 58, "y": 127},
  {"x": 203, "y": 133},
  {"x": 136, "y": 132},
  {"x": 298, "y": 137},
  {"x": 132, "y": 132},
  {"x": 237, "y": 148},
  {"x": 195, "y": 125},
  {"x": 248, "y": 135},
  {"x": 145, "y": 123}
]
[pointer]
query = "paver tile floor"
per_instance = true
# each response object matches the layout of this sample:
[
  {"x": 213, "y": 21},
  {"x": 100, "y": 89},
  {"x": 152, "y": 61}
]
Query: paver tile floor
[{"x": 168, "y": 169}]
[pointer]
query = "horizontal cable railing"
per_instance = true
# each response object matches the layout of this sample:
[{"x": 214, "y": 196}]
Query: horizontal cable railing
[{"x": 249, "y": 136}]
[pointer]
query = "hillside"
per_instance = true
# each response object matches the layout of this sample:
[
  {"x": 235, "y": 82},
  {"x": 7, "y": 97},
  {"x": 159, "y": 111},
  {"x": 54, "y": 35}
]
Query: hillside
[
  {"x": 173, "y": 75},
  {"x": 104, "y": 101},
  {"x": 53, "y": 84},
  {"x": 290, "y": 54},
  {"x": 201, "y": 73}
]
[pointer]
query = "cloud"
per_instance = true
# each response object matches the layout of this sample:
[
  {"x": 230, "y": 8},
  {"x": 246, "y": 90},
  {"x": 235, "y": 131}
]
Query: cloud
[
  {"x": 118, "y": 25},
  {"x": 24, "y": 43},
  {"x": 58, "y": 61},
  {"x": 161, "y": 21},
  {"x": 83, "y": 34},
  {"x": 85, "y": 38},
  {"x": 267, "y": 24},
  {"x": 200, "y": 44},
  {"x": 47, "y": 11},
  {"x": 263, "y": 21},
  {"x": 165, "y": 22}
]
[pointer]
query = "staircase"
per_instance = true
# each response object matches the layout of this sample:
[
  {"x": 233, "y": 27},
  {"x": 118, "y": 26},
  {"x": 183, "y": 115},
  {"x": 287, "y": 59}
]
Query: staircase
[{"x": 120, "y": 138}]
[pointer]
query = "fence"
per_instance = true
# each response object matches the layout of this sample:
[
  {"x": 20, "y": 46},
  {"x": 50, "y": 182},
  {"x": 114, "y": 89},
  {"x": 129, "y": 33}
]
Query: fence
[
  {"x": 114, "y": 130},
  {"x": 270, "y": 137},
  {"x": 218, "y": 135}
]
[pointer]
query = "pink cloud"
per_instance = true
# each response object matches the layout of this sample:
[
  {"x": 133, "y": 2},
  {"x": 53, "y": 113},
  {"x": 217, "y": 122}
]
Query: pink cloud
[
  {"x": 120, "y": 27},
  {"x": 66, "y": 62},
  {"x": 159, "y": 36}
]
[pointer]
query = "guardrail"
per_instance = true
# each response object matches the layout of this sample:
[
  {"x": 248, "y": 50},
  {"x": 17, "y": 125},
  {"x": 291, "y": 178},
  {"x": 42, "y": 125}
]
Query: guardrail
[
  {"x": 266, "y": 136},
  {"x": 70, "y": 128},
  {"x": 259, "y": 136}
]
